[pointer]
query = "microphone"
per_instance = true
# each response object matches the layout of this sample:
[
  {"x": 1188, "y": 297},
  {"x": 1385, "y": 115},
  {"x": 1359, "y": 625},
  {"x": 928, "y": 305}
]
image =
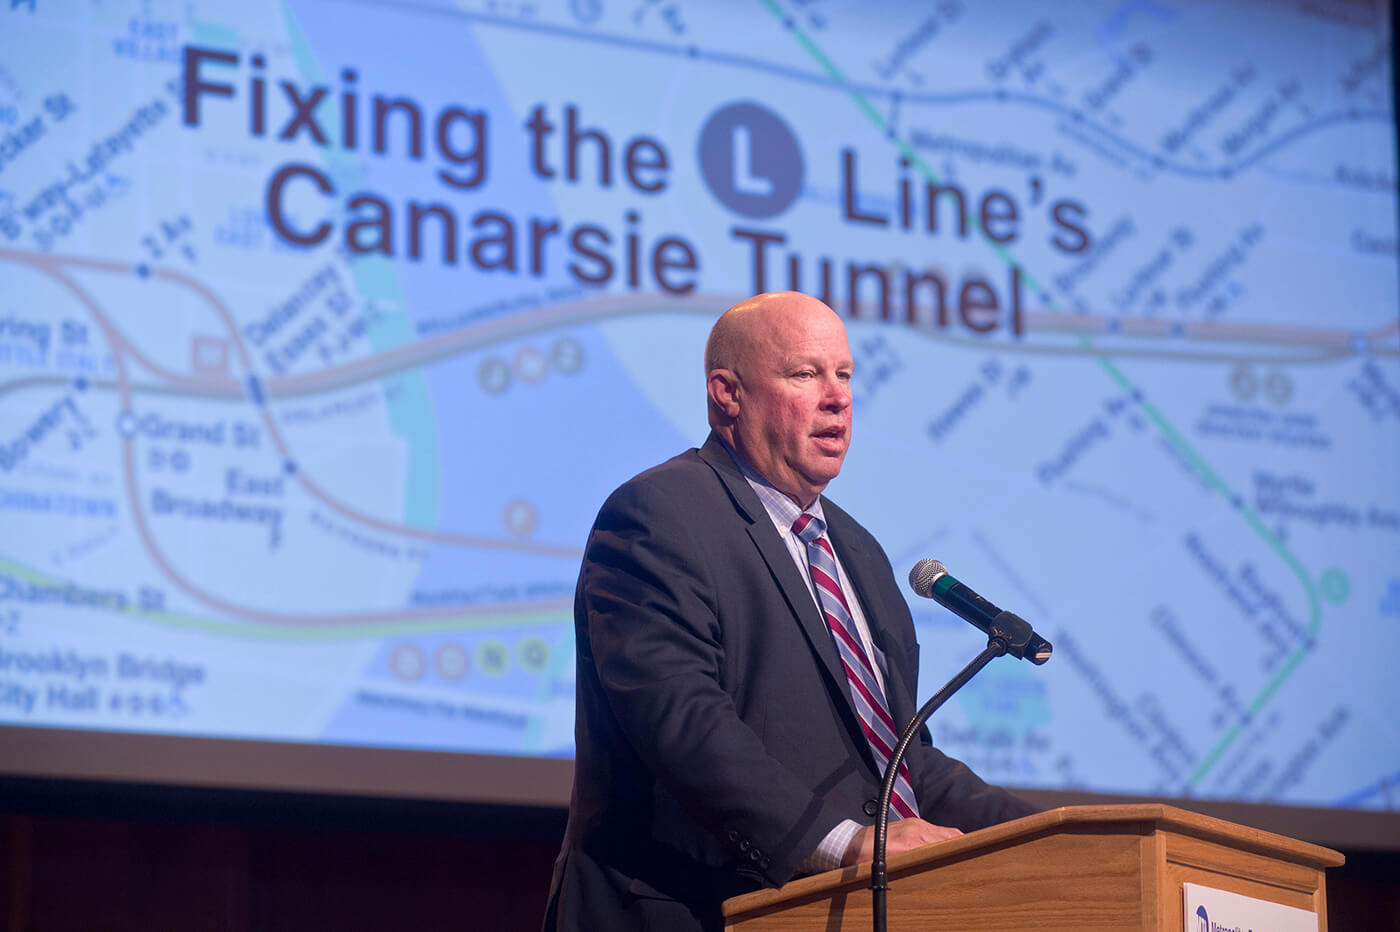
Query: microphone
[{"x": 931, "y": 579}]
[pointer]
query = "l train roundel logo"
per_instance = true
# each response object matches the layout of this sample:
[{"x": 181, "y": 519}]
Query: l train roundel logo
[{"x": 750, "y": 160}]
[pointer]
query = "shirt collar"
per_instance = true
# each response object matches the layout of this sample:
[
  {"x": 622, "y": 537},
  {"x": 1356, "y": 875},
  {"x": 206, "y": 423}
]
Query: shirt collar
[{"x": 782, "y": 510}]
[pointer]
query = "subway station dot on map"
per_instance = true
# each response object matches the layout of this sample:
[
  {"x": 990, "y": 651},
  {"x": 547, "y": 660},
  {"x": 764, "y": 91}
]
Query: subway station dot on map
[
  {"x": 126, "y": 423},
  {"x": 1112, "y": 325},
  {"x": 493, "y": 375},
  {"x": 1237, "y": 501},
  {"x": 530, "y": 364},
  {"x": 80, "y": 383},
  {"x": 1177, "y": 329},
  {"x": 1358, "y": 342},
  {"x": 534, "y": 654},
  {"x": 491, "y": 657},
  {"x": 567, "y": 354},
  {"x": 289, "y": 467},
  {"x": 1335, "y": 585},
  {"x": 143, "y": 270},
  {"x": 451, "y": 661},
  {"x": 406, "y": 662},
  {"x": 1136, "y": 395}
]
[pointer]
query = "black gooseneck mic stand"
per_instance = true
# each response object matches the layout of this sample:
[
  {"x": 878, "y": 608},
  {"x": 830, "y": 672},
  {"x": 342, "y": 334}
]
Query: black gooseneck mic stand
[{"x": 1008, "y": 634}]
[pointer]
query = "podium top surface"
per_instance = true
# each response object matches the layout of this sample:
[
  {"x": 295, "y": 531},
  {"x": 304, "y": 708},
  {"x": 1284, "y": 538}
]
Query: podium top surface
[{"x": 1141, "y": 818}]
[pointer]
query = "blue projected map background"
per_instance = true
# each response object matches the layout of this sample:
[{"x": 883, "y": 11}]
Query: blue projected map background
[{"x": 326, "y": 327}]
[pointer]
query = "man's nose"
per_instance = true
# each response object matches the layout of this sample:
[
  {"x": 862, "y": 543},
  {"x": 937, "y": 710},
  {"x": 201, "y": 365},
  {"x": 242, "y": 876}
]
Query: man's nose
[{"x": 837, "y": 394}]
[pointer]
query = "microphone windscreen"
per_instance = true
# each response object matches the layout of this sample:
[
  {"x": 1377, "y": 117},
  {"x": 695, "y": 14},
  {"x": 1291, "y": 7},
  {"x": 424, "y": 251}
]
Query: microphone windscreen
[{"x": 924, "y": 574}]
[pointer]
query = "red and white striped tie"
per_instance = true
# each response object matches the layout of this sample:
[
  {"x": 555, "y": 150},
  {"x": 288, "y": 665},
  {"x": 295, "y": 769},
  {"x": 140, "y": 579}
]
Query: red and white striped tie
[{"x": 866, "y": 693}]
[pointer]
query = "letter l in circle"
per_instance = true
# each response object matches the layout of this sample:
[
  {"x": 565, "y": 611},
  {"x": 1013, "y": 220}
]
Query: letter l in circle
[{"x": 744, "y": 180}]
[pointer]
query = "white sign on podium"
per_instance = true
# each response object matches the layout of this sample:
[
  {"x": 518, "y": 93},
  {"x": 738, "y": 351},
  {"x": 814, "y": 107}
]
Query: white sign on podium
[{"x": 1212, "y": 910}]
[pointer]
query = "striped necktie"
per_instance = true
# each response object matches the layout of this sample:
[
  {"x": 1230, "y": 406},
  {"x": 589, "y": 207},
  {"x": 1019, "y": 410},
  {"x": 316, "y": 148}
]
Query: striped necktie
[{"x": 866, "y": 693}]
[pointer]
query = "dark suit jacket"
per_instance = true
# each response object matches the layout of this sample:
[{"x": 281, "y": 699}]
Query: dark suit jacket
[{"x": 716, "y": 740}]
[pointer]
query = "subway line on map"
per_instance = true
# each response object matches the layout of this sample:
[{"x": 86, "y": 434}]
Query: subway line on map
[{"x": 119, "y": 345}]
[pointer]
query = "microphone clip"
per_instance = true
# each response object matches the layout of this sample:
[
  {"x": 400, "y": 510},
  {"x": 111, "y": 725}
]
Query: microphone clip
[{"x": 1014, "y": 634}]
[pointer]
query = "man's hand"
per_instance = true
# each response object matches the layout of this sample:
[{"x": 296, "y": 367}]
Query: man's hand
[{"x": 904, "y": 835}]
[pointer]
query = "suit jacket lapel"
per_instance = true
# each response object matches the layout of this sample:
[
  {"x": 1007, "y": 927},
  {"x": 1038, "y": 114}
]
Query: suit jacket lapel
[{"x": 780, "y": 563}]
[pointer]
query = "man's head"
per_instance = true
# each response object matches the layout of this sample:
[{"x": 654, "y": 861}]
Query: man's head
[{"x": 779, "y": 371}]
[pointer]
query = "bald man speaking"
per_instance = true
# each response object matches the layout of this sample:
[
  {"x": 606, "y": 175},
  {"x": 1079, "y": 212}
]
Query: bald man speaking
[{"x": 745, "y": 657}]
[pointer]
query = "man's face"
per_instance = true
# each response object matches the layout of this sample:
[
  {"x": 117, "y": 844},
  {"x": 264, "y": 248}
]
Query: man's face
[{"x": 794, "y": 421}]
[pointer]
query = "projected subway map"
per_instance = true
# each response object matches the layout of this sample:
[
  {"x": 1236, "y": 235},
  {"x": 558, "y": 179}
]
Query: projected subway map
[{"x": 326, "y": 327}]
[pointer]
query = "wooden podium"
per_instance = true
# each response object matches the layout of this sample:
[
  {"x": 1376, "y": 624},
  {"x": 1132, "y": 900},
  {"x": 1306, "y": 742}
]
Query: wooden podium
[{"x": 1074, "y": 868}]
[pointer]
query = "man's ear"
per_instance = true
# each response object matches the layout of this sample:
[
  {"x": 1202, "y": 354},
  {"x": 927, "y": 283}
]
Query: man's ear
[{"x": 723, "y": 389}]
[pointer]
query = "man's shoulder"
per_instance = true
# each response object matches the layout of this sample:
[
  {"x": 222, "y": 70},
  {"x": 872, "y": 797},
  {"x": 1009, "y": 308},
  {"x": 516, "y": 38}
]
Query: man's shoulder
[
  {"x": 681, "y": 471},
  {"x": 681, "y": 466},
  {"x": 698, "y": 470},
  {"x": 679, "y": 485}
]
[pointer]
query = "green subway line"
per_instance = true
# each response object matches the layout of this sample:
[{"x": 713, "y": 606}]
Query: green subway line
[
  {"x": 1159, "y": 420},
  {"x": 860, "y": 100}
]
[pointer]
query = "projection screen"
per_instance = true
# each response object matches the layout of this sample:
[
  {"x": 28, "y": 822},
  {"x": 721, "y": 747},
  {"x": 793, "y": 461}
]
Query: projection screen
[{"x": 327, "y": 326}]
